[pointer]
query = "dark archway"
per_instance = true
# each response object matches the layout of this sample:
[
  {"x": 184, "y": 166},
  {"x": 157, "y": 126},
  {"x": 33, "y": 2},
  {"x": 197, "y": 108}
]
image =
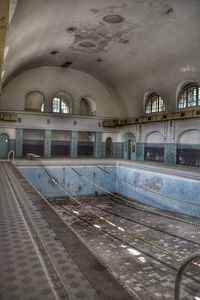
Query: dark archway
[{"x": 108, "y": 147}]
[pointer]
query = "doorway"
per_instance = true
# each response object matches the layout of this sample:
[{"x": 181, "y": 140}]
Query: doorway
[
  {"x": 108, "y": 147},
  {"x": 4, "y": 145}
]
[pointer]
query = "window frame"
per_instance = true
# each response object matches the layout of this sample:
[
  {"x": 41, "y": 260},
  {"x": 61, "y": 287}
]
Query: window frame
[
  {"x": 150, "y": 101},
  {"x": 186, "y": 99},
  {"x": 60, "y": 109}
]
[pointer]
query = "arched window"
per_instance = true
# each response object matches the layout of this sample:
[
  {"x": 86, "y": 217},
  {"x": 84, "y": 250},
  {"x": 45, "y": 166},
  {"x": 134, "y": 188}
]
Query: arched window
[
  {"x": 154, "y": 104},
  {"x": 42, "y": 107},
  {"x": 189, "y": 97},
  {"x": 59, "y": 106}
]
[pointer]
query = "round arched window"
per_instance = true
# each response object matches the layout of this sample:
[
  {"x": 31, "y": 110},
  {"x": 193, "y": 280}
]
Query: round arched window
[
  {"x": 60, "y": 106},
  {"x": 154, "y": 104},
  {"x": 189, "y": 96}
]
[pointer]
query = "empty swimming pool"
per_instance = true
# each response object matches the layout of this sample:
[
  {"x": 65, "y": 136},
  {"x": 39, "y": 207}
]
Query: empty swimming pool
[{"x": 141, "y": 242}]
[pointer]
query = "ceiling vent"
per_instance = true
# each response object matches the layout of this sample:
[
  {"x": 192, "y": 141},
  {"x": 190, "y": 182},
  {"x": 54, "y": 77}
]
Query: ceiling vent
[
  {"x": 87, "y": 44},
  {"x": 66, "y": 64},
  {"x": 113, "y": 19}
]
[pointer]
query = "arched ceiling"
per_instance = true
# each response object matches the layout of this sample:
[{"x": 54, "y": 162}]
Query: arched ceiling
[{"x": 157, "y": 41}]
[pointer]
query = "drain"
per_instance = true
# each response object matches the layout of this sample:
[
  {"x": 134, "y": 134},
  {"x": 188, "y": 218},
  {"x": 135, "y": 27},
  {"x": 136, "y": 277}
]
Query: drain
[
  {"x": 113, "y": 19},
  {"x": 87, "y": 44}
]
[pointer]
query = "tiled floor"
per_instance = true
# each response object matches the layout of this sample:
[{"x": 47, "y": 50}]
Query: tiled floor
[
  {"x": 146, "y": 270},
  {"x": 23, "y": 275}
]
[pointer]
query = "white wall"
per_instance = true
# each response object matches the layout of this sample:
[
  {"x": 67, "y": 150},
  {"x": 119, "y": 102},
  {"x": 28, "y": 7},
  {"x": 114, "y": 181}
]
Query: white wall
[
  {"x": 60, "y": 135},
  {"x": 31, "y": 134},
  {"x": 180, "y": 131},
  {"x": 51, "y": 80}
]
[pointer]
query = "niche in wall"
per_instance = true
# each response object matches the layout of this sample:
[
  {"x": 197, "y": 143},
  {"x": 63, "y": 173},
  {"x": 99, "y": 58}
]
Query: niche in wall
[
  {"x": 33, "y": 142},
  {"x": 154, "y": 147},
  {"x": 85, "y": 146},
  {"x": 34, "y": 101},
  {"x": 87, "y": 106},
  {"x": 60, "y": 144},
  {"x": 188, "y": 148}
]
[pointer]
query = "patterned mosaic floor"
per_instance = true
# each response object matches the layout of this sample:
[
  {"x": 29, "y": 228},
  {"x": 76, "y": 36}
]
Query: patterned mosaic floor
[{"x": 146, "y": 270}]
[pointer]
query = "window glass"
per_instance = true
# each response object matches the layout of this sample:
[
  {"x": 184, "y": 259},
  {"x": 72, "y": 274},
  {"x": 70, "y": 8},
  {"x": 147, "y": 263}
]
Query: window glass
[
  {"x": 42, "y": 107},
  {"x": 64, "y": 108},
  {"x": 56, "y": 105},
  {"x": 60, "y": 106},
  {"x": 154, "y": 104},
  {"x": 199, "y": 96},
  {"x": 189, "y": 97},
  {"x": 148, "y": 108}
]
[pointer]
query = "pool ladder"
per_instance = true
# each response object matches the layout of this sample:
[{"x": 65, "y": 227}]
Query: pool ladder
[
  {"x": 180, "y": 271},
  {"x": 13, "y": 154}
]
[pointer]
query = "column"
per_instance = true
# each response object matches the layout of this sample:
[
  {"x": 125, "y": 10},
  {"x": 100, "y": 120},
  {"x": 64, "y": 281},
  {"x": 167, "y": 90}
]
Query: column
[
  {"x": 103, "y": 150},
  {"x": 97, "y": 145},
  {"x": 73, "y": 144},
  {"x": 117, "y": 150},
  {"x": 19, "y": 143},
  {"x": 140, "y": 151},
  {"x": 47, "y": 143},
  {"x": 170, "y": 154}
]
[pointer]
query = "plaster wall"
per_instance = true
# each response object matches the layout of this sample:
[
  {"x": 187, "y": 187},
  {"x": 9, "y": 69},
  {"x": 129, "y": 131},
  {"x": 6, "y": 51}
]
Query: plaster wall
[
  {"x": 60, "y": 136},
  {"x": 164, "y": 132},
  {"x": 52, "y": 80}
]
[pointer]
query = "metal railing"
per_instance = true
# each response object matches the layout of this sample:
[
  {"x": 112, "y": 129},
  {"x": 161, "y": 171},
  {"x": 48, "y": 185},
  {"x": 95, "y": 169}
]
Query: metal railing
[
  {"x": 13, "y": 154},
  {"x": 180, "y": 271}
]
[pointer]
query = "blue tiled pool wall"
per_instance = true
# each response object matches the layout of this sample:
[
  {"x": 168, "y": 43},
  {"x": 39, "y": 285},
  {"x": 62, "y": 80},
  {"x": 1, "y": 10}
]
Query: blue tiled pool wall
[
  {"x": 69, "y": 180},
  {"x": 160, "y": 190},
  {"x": 155, "y": 189}
]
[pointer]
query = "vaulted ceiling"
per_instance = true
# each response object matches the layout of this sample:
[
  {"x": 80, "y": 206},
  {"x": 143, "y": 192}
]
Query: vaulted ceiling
[{"x": 148, "y": 44}]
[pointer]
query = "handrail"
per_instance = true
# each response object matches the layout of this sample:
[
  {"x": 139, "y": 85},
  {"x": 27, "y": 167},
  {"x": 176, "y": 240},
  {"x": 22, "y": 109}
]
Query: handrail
[
  {"x": 13, "y": 154},
  {"x": 180, "y": 273}
]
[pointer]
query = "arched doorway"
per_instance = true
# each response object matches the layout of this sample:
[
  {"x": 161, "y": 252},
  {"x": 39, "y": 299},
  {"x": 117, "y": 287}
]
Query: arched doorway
[
  {"x": 4, "y": 145},
  {"x": 108, "y": 147},
  {"x": 129, "y": 146}
]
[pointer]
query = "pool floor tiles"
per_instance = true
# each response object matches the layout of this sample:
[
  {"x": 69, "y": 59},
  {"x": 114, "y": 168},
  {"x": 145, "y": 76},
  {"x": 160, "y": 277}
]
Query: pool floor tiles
[{"x": 135, "y": 256}]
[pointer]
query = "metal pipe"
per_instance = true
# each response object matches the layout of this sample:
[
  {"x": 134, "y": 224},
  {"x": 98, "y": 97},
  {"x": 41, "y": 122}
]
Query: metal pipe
[
  {"x": 11, "y": 152},
  {"x": 180, "y": 271}
]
